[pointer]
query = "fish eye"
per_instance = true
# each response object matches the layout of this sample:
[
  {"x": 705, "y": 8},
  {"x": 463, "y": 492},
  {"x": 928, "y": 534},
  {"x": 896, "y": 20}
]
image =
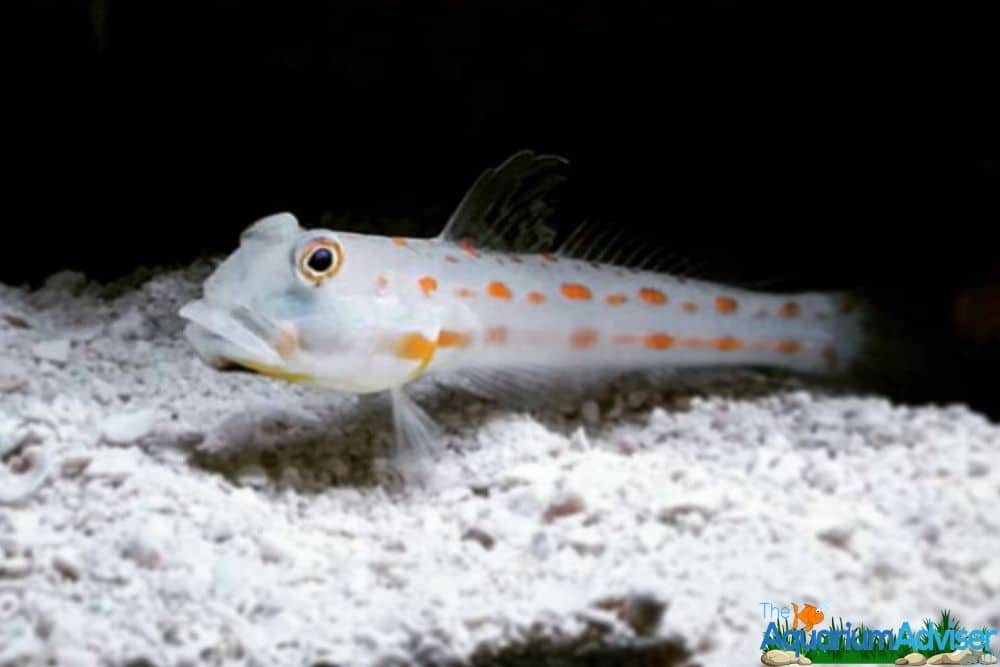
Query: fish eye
[{"x": 319, "y": 260}]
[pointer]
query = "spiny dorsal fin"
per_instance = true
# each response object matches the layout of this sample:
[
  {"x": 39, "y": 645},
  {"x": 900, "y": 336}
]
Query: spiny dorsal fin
[{"x": 505, "y": 209}]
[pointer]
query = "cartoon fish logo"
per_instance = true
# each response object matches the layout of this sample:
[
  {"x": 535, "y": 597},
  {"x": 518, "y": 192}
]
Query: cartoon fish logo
[{"x": 809, "y": 615}]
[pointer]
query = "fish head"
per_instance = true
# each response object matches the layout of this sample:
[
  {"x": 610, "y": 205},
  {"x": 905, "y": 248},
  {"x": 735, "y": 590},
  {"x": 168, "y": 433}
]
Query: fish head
[
  {"x": 813, "y": 614},
  {"x": 288, "y": 304}
]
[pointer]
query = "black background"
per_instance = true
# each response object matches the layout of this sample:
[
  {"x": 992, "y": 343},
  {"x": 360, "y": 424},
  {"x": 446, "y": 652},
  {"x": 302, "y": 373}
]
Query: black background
[{"x": 808, "y": 148}]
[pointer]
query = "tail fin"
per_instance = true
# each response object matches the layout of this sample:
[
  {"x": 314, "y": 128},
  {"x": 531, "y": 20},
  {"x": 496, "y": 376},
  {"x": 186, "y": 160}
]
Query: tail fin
[{"x": 889, "y": 344}]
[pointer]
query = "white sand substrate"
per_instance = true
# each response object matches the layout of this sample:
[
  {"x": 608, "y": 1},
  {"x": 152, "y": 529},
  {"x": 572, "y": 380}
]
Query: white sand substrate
[{"x": 154, "y": 511}]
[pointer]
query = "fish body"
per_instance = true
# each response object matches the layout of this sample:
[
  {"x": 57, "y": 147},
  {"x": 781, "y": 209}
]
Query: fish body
[
  {"x": 462, "y": 308},
  {"x": 363, "y": 313},
  {"x": 808, "y": 615}
]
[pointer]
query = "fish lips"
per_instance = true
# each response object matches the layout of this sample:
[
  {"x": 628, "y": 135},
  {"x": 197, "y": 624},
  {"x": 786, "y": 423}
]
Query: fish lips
[{"x": 224, "y": 336}]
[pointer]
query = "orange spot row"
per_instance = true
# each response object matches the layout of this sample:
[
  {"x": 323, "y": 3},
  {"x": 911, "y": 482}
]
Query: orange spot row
[
  {"x": 578, "y": 292},
  {"x": 662, "y": 341},
  {"x": 415, "y": 346}
]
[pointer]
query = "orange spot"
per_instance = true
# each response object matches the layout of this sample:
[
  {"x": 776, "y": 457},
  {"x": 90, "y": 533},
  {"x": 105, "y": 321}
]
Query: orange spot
[
  {"x": 448, "y": 338},
  {"x": 398, "y": 241},
  {"x": 726, "y": 305},
  {"x": 536, "y": 297},
  {"x": 659, "y": 341},
  {"x": 788, "y": 346},
  {"x": 790, "y": 309},
  {"x": 583, "y": 338},
  {"x": 575, "y": 291},
  {"x": 381, "y": 282},
  {"x": 288, "y": 340},
  {"x": 615, "y": 299},
  {"x": 625, "y": 339},
  {"x": 415, "y": 346},
  {"x": 464, "y": 293},
  {"x": 689, "y": 307},
  {"x": 451, "y": 259},
  {"x": 653, "y": 296},
  {"x": 496, "y": 335},
  {"x": 428, "y": 284},
  {"x": 469, "y": 248},
  {"x": 727, "y": 344},
  {"x": 498, "y": 290}
]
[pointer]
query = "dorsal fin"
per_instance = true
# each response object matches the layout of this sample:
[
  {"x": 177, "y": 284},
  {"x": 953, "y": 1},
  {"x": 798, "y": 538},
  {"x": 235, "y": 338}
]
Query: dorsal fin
[
  {"x": 508, "y": 206},
  {"x": 505, "y": 209},
  {"x": 608, "y": 244},
  {"x": 605, "y": 243}
]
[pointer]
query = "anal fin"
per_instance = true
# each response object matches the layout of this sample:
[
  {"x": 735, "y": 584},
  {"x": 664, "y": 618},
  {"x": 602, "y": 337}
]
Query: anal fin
[{"x": 529, "y": 386}]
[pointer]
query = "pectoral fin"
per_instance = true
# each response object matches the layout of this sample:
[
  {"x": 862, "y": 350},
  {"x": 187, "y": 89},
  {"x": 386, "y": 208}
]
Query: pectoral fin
[{"x": 418, "y": 437}]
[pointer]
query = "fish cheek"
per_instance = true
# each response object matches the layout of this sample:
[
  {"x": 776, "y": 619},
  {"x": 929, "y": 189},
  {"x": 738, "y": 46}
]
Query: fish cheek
[
  {"x": 339, "y": 337},
  {"x": 323, "y": 338}
]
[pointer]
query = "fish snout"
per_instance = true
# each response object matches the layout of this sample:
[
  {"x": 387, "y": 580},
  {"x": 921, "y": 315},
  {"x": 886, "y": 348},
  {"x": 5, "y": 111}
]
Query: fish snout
[{"x": 222, "y": 335}]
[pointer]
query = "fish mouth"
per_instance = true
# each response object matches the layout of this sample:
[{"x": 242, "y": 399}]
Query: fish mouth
[{"x": 227, "y": 337}]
